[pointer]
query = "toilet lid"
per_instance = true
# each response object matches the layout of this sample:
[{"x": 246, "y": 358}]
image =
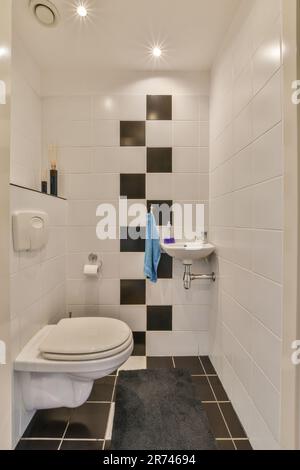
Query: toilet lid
[{"x": 80, "y": 336}]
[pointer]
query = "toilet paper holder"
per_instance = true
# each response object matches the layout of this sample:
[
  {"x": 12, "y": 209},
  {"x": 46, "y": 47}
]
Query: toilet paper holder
[{"x": 93, "y": 258}]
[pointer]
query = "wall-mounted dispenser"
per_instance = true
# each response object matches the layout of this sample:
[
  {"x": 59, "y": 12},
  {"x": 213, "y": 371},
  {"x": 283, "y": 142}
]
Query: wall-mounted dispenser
[{"x": 30, "y": 230}]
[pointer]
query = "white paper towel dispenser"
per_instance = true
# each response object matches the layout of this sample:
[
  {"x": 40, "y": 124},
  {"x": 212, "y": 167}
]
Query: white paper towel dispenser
[{"x": 30, "y": 230}]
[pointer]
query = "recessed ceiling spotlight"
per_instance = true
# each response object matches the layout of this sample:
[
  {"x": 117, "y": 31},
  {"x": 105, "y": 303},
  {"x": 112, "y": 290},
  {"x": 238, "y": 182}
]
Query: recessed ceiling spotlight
[
  {"x": 156, "y": 51},
  {"x": 82, "y": 11}
]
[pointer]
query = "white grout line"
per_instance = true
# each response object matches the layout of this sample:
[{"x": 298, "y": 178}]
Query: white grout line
[
  {"x": 63, "y": 435},
  {"x": 218, "y": 406},
  {"x": 97, "y": 402},
  {"x": 173, "y": 361},
  {"x": 40, "y": 439}
]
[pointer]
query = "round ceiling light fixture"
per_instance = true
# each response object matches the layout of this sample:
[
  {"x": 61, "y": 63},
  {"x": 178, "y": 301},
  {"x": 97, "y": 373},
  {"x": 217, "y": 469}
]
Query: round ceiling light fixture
[
  {"x": 82, "y": 11},
  {"x": 45, "y": 12},
  {"x": 156, "y": 51}
]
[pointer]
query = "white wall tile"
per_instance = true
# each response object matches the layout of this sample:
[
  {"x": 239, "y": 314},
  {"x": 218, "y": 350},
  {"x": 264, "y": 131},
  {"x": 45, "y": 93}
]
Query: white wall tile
[
  {"x": 132, "y": 265},
  {"x": 267, "y": 400},
  {"x": 159, "y": 133},
  {"x": 106, "y": 133},
  {"x": 75, "y": 160},
  {"x": 132, "y": 159},
  {"x": 135, "y": 316},
  {"x": 176, "y": 343},
  {"x": 267, "y": 58},
  {"x": 267, "y": 303},
  {"x": 93, "y": 292},
  {"x": 267, "y": 153},
  {"x": 132, "y": 107},
  {"x": 106, "y": 107},
  {"x": 186, "y": 108},
  {"x": 190, "y": 160},
  {"x": 267, "y": 254},
  {"x": 159, "y": 186},
  {"x": 190, "y": 317},
  {"x": 267, "y": 106},
  {"x": 105, "y": 160},
  {"x": 186, "y": 134},
  {"x": 268, "y": 205},
  {"x": 93, "y": 186},
  {"x": 159, "y": 293}
]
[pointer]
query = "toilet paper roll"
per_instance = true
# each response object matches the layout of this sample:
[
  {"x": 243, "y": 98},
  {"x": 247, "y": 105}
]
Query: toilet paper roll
[{"x": 91, "y": 270}]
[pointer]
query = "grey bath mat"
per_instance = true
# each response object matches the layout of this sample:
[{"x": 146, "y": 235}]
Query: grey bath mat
[{"x": 157, "y": 409}]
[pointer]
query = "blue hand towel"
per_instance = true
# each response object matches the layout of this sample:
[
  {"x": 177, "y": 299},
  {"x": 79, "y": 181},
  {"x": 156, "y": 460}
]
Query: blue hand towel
[{"x": 152, "y": 251}]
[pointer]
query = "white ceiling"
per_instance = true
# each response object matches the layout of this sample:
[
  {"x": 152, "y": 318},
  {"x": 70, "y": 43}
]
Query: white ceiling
[{"x": 118, "y": 33}]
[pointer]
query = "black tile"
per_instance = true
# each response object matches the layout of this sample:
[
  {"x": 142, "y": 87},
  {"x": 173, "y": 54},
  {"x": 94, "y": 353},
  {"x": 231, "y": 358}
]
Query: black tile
[
  {"x": 139, "y": 338},
  {"x": 38, "y": 445},
  {"x": 132, "y": 239},
  {"x": 159, "y": 160},
  {"x": 133, "y": 185},
  {"x": 48, "y": 423},
  {"x": 216, "y": 421},
  {"x": 218, "y": 388},
  {"x": 81, "y": 445},
  {"x": 132, "y": 133},
  {"x": 191, "y": 363},
  {"x": 102, "y": 389},
  {"x": 159, "y": 107},
  {"x": 232, "y": 420},
  {"x": 165, "y": 267},
  {"x": 107, "y": 445},
  {"x": 161, "y": 210},
  {"x": 225, "y": 445},
  {"x": 133, "y": 292},
  {"x": 209, "y": 368},
  {"x": 159, "y": 318},
  {"x": 159, "y": 362},
  {"x": 88, "y": 421},
  {"x": 243, "y": 445},
  {"x": 203, "y": 390}
]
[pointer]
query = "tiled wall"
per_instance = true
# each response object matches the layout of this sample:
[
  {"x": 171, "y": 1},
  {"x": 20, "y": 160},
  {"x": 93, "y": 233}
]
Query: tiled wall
[
  {"x": 148, "y": 148},
  {"x": 246, "y": 203},
  {"x": 37, "y": 283},
  {"x": 26, "y": 118}
]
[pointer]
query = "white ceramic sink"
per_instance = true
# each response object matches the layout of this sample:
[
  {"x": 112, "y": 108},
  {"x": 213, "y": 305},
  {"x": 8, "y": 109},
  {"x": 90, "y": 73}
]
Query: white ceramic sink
[{"x": 188, "y": 251}]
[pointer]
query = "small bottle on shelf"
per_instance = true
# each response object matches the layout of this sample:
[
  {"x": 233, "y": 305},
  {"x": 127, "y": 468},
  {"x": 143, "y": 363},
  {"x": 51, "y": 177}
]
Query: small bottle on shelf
[
  {"x": 44, "y": 184},
  {"x": 53, "y": 179}
]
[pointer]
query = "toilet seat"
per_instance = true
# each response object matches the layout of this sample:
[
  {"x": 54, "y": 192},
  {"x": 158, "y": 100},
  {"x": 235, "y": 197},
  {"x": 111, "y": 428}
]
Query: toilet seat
[{"x": 83, "y": 339}]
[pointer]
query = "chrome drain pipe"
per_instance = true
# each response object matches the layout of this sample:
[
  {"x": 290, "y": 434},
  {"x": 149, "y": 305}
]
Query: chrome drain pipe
[{"x": 188, "y": 277}]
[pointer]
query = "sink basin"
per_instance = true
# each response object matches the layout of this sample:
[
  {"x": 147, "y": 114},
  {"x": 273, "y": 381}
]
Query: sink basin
[{"x": 188, "y": 251}]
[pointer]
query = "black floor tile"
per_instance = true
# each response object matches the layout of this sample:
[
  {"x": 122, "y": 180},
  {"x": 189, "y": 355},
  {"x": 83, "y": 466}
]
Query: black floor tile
[
  {"x": 88, "y": 421},
  {"x": 48, "y": 423},
  {"x": 81, "y": 445},
  {"x": 203, "y": 390},
  {"x": 216, "y": 421},
  {"x": 209, "y": 368},
  {"x": 243, "y": 445},
  {"x": 102, "y": 389},
  {"x": 107, "y": 445},
  {"x": 159, "y": 363},
  {"x": 139, "y": 348},
  {"x": 225, "y": 445},
  {"x": 192, "y": 364},
  {"x": 232, "y": 420},
  {"x": 217, "y": 386},
  {"x": 38, "y": 445}
]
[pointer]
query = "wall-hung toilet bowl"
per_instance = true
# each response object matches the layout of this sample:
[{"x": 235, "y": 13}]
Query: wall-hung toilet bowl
[{"x": 60, "y": 363}]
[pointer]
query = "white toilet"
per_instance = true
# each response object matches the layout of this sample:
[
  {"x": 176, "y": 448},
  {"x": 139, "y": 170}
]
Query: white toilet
[{"x": 60, "y": 363}]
